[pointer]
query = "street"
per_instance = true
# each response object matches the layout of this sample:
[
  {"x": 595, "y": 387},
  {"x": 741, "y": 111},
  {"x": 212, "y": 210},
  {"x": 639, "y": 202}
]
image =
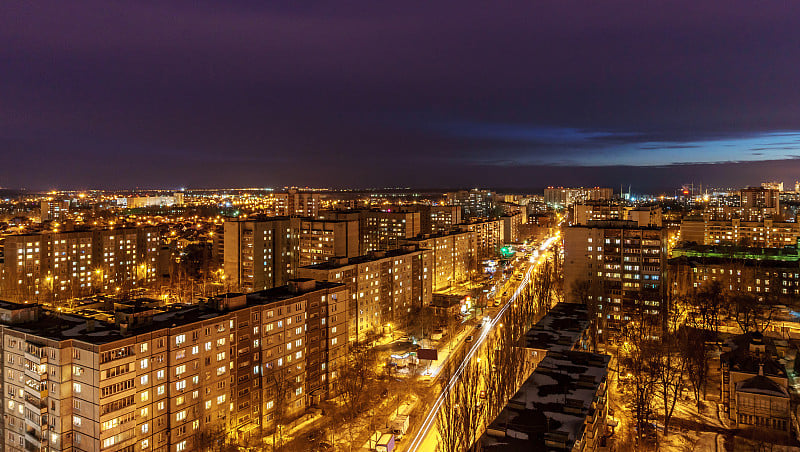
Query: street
[{"x": 426, "y": 439}]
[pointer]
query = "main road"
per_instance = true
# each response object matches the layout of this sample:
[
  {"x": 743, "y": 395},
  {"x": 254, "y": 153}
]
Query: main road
[{"x": 426, "y": 439}]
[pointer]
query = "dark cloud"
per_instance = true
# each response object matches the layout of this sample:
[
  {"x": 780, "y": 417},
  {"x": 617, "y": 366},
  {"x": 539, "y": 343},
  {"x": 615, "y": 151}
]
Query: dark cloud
[{"x": 97, "y": 93}]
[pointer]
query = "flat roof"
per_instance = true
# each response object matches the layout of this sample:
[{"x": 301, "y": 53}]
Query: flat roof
[
  {"x": 64, "y": 326},
  {"x": 561, "y": 329},
  {"x": 333, "y": 263},
  {"x": 12, "y": 306},
  {"x": 552, "y": 404}
]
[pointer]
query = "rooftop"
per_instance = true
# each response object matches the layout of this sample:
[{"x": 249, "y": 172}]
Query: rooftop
[
  {"x": 371, "y": 257},
  {"x": 785, "y": 254},
  {"x": 552, "y": 406},
  {"x": 561, "y": 329},
  {"x": 97, "y": 329},
  {"x": 762, "y": 385}
]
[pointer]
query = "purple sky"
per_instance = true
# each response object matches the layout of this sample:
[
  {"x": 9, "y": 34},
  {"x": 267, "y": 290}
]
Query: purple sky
[{"x": 113, "y": 94}]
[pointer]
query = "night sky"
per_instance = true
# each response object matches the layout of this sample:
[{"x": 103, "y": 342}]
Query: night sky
[{"x": 122, "y": 94}]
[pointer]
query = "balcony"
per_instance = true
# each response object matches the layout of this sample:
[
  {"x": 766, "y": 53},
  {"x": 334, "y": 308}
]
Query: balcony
[
  {"x": 36, "y": 353},
  {"x": 36, "y": 403}
]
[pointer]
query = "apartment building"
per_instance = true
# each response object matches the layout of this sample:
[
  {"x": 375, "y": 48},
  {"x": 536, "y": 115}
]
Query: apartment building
[
  {"x": 138, "y": 202},
  {"x": 168, "y": 379},
  {"x": 54, "y": 266},
  {"x": 294, "y": 203},
  {"x": 385, "y": 287},
  {"x": 566, "y": 390},
  {"x": 512, "y": 227},
  {"x": 454, "y": 256},
  {"x": 443, "y": 219},
  {"x": 474, "y": 202},
  {"x": 489, "y": 236},
  {"x": 567, "y": 393},
  {"x": 622, "y": 267},
  {"x": 764, "y": 234},
  {"x": 265, "y": 252},
  {"x": 583, "y": 213},
  {"x": 53, "y": 209},
  {"x": 566, "y": 196},
  {"x": 761, "y": 272},
  {"x": 385, "y": 230},
  {"x": 433, "y": 219},
  {"x": 259, "y": 253},
  {"x": 380, "y": 230},
  {"x": 321, "y": 240}
]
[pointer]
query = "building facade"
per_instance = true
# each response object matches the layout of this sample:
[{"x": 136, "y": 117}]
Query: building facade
[
  {"x": 169, "y": 380},
  {"x": 566, "y": 196},
  {"x": 454, "y": 256},
  {"x": 54, "y": 266},
  {"x": 773, "y": 273},
  {"x": 259, "y": 254},
  {"x": 488, "y": 235},
  {"x": 322, "y": 240},
  {"x": 764, "y": 234},
  {"x": 474, "y": 202},
  {"x": 294, "y": 203},
  {"x": 386, "y": 287},
  {"x": 621, "y": 268}
]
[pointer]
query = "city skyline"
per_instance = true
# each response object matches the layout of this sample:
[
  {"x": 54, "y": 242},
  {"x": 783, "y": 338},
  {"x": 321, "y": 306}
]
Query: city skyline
[{"x": 375, "y": 95}]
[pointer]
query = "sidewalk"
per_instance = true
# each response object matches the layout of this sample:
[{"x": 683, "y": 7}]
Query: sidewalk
[{"x": 447, "y": 351}]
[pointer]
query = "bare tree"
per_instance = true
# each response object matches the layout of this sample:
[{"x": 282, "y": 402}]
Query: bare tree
[
  {"x": 708, "y": 305},
  {"x": 695, "y": 357},
  {"x": 671, "y": 365},
  {"x": 750, "y": 313},
  {"x": 642, "y": 363},
  {"x": 278, "y": 385},
  {"x": 448, "y": 424},
  {"x": 471, "y": 408},
  {"x": 354, "y": 378}
]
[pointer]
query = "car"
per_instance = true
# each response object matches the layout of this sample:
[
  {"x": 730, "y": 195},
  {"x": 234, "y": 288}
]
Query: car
[
  {"x": 470, "y": 338},
  {"x": 482, "y": 394},
  {"x": 324, "y": 446},
  {"x": 385, "y": 393}
]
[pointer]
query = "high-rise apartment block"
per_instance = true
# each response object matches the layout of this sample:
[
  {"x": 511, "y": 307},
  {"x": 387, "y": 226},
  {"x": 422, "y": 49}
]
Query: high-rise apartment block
[
  {"x": 385, "y": 230},
  {"x": 474, "y": 202},
  {"x": 261, "y": 253},
  {"x": 434, "y": 219},
  {"x": 322, "y": 240},
  {"x": 380, "y": 230},
  {"x": 53, "y": 209},
  {"x": 51, "y": 266},
  {"x": 583, "y": 213},
  {"x": 443, "y": 219},
  {"x": 294, "y": 203},
  {"x": 168, "y": 379},
  {"x": 455, "y": 257},
  {"x": 138, "y": 202},
  {"x": 489, "y": 236},
  {"x": 621, "y": 267},
  {"x": 512, "y": 225},
  {"x": 566, "y": 196},
  {"x": 385, "y": 287}
]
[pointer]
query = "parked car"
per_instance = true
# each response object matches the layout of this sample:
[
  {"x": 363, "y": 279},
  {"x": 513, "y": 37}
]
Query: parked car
[
  {"x": 385, "y": 393},
  {"x": 470, "y": 338}
]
